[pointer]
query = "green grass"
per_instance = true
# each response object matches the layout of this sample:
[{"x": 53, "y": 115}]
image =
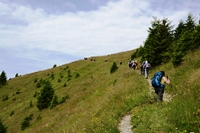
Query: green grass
[{"x": 98, "y": 99}]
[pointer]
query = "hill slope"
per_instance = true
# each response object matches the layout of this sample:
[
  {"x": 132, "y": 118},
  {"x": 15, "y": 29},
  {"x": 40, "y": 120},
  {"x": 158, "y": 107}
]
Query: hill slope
[{"x": 97, "y": 99}]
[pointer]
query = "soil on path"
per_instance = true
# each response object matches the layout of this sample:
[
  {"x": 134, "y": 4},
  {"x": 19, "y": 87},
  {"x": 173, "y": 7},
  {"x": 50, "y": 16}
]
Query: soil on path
[{"x": 125, "y": 123}]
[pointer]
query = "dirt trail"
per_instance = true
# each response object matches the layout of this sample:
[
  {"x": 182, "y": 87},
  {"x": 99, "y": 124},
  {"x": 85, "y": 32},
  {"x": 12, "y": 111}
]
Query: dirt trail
[{"x": 125, "y": 123}]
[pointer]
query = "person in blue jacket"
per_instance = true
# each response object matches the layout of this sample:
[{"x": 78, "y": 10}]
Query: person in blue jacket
[{"x": 158, "y": 82}]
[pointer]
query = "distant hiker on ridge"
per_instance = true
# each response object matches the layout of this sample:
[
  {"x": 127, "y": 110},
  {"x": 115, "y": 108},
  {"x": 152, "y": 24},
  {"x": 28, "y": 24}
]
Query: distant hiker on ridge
[{"x": 158, "y": 82}]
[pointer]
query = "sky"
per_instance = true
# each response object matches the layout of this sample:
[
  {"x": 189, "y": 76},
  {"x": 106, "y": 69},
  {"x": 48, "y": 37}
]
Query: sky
[{"x": 36, "y": 34}]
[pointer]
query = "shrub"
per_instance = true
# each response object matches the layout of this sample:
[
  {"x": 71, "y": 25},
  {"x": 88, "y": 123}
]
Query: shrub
[
  {"x": 35, "y": 81},
  {"x": 59, "y": 80},
  {"x": 26, "y": 122},
  {"x": 65, "y": 85},
  {"x": 54, "y": 65},
  {"x": 113, "y": 67},
  {"x": 64, "y": 99},
  {"x": 5, "y": 97},
  {"x": 3, "y": 128},
  {"x": 18, "y": 91},
  {"x": 52, "y": 76},
  {"x": 54, "y": 102},
  {"x": 38, "y": 117},
  {"x": 12, "y": 113},
  {"x": 77, "y": 75},
  {"x": 31, "y": 104},
  {"x": 16, "y": 75}
]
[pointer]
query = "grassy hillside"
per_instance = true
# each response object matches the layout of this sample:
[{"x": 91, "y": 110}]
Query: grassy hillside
[{"x": 98, "y": 99}]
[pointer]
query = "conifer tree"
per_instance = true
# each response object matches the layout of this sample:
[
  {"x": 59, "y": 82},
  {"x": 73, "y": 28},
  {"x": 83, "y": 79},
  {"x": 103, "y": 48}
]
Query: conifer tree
[
  {"x": 46, "y": 96},
  {"x": 3, "y": 78},
  {"x": 190, "y": 22},
  {"x": 157, "y": 46}
]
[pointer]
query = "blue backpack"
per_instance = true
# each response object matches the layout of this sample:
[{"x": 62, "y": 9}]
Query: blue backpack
[{"x": 157, "y": 79}]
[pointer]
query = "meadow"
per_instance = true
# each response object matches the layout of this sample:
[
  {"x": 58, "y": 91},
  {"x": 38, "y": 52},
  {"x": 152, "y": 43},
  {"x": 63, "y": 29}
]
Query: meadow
[{"x": 97, "y": 99}]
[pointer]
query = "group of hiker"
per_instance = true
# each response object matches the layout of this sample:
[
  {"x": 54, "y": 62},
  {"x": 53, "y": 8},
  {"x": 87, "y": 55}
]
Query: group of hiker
[
  {"x": 133, "y": 64},
  {"x": 158, "y": 81},
  {"x": 144, "y": 67}
]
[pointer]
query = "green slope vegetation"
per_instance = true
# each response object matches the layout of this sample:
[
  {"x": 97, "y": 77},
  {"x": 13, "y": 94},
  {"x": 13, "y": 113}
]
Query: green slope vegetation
[{"x": 97, "y": 99}]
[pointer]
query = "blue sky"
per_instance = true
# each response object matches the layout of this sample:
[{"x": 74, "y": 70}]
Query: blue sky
[{"x": 36, "y": 34}]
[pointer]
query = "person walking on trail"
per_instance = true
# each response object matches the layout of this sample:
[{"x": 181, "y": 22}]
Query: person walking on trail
[
  {"x": 141, "y": 68},
  {"x": 158, "y": 82},
  {"x": 146, "y": 68}
]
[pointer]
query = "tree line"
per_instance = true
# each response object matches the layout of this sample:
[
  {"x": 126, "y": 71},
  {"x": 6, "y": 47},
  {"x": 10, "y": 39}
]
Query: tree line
[{"x": 164, "y": 43}]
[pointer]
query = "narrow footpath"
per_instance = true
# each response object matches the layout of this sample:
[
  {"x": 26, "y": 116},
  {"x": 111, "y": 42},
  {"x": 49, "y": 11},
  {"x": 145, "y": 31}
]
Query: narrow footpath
[{"x": 125, "y": 125}]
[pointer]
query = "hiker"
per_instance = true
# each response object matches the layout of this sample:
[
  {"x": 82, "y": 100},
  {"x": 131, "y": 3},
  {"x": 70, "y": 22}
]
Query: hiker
[
  {"x": 146, "y": 68},
  {"x": 141, "y": 68},
  {"x": 136, "y": 64},
  {"x": 158, "y": 82},
  {"x": 130, "y": 63},
  {"x": 120, "y": 62}
]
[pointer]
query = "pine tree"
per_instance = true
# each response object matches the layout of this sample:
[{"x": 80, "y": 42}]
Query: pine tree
[
  {"x": 45, "y": 97},
  {"x": 190, "y": 23},
  {"x": 179, "y": 30},
  {"x": 3, "y": 79},
  {"x": 157, "y": 46}
]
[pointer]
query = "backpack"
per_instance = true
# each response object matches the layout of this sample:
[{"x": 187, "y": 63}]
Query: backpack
[
  {"x": 147, "y": 65},
  {"x": 156, "y": 80},
  {"x": 158, "y": 76}
]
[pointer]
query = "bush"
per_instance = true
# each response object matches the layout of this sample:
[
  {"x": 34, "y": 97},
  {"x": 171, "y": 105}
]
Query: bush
[
  {"x": 12, "y": 113},
  {"x": 39, "y": 117},
  {"x": 16, "y": 75},
  {"x": 54, "y": 102},
  {"x": 77, "y": 75},
  {"x": 64, "y": 99},
  {"x": 54, "y": 65},
  {"x": 5, "y": 97},
  {"x": 35, "y": 81},
  {"x": 113, "y": 67},
  {"x": 26, "y": 122},
  {"x": 65, "y": 85},
  {"x": 59, "y": 80},
  {"x": 31, "y": 104},
  {"x": 177, "y": 59},
  {"x": 3, "y": 128}
]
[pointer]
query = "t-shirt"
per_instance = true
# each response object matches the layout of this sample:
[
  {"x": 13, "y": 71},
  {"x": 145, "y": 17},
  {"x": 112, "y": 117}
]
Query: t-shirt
[{"x": 162, "y": 80}]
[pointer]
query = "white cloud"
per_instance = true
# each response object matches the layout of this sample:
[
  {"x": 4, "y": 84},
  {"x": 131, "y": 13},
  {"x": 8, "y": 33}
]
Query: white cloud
[
  {"x": 115, "y": 27},
  {"x": 4, "y": 9},
  {"x": 85, "y": 33}
]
